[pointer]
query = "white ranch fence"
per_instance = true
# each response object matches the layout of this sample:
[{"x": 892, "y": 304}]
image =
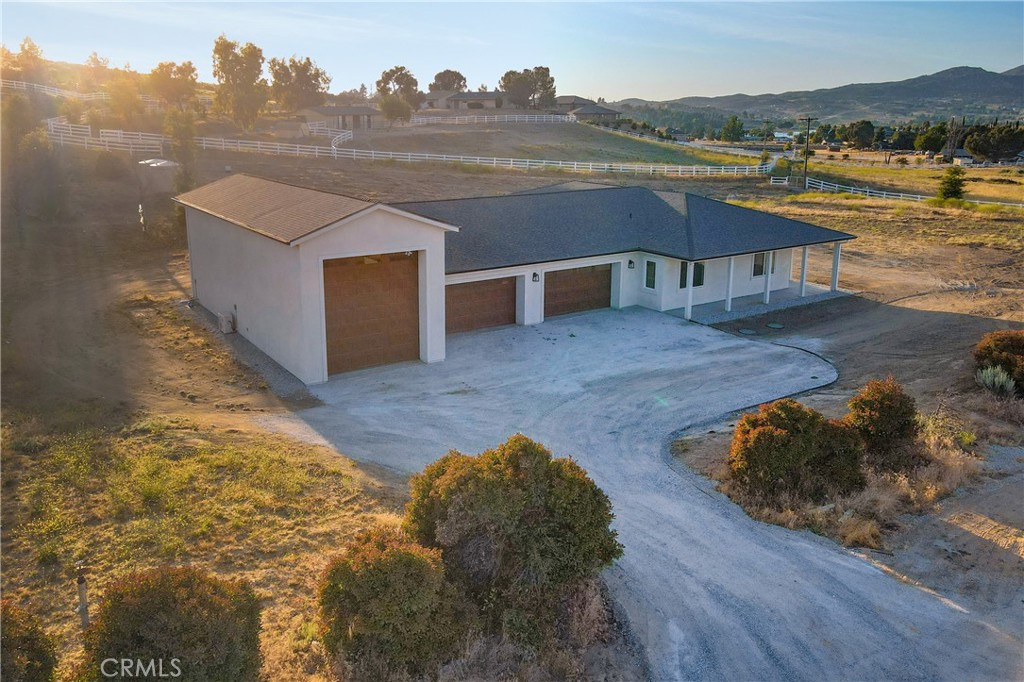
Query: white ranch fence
[
  {"x": 63, "y": 133},
  {"x": 504, "y": 118},
  {"x": 338, "y": 136},
  {"x": 151, "y": 102},
  {"x": 734, "y": 151},
  {"x": 823, "y": 186}
]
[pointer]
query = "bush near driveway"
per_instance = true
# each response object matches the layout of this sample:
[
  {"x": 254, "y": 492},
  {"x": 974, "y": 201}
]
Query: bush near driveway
[
  {"x": 1003, "y": 349},
  {"x": 386, "y": 599},
  {"x": 27, "y": 653},
  {"x": 786, "y": 451},
  {"x": 886, "y": 418},
  {"x": 210, "y": 625},
  {"x": 516, "y": 528}
]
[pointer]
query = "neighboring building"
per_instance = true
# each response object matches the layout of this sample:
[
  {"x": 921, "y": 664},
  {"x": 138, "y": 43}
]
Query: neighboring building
[
  {"x": 480, "y": 100},
  {"x": 595, "y": 113},
  {"x": 962, "y": 157},
  {"x": 325, "y": 283},
  {"x": 345, "y": 118},
  {"x": 437, "y": 99},
  {"x": 566, "y": 103}
]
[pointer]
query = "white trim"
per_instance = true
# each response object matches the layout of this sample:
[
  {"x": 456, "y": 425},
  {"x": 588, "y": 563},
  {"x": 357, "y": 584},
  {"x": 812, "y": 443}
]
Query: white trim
[
  {"x": 530, "y": 268},
  {"x": 803, "y": 273},
  {"x": 728, "y": 283},
  {"x": 643, "y": 274},
  {"x": 365, "y": 212}
]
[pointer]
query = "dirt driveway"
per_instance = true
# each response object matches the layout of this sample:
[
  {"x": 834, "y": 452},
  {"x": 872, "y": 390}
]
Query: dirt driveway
[{"x": 710, "y": 593}]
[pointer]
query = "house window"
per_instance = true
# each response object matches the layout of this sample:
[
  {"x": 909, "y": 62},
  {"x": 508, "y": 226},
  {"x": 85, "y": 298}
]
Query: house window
[
  {"x": 759, "y": 259},
  {"x": 650, "y": 274},
  {"x": 698, "y": 274}
]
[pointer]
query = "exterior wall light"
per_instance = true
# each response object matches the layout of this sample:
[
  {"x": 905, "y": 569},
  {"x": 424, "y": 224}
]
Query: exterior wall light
[
  {"x": 631, "y": 265},
  {"x": 536, "y": 277}
]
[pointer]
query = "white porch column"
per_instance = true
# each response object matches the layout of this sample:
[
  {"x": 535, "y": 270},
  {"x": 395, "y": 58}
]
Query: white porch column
[
  {"x": 728, "y": 284},
  {"x": 837, "y": 250},
  {"x": 689, "y": 290},
  {"x": 769, "y": 258},
  {"x": 803, "y": 273}
]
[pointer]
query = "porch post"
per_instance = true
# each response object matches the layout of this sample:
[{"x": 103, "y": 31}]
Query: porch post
[
  {"x": 689, "y": 290},
  {"x": 728, "y": 284},
  {"x": 803, "y": 273},
  {"x": 769, "y": 258},
  {"x": 837, "y": 250}
]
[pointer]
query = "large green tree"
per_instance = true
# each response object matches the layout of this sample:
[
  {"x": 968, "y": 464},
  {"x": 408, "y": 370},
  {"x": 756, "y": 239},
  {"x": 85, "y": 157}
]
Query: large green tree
[
  {"x": 534, "y": 88},
  {"x": 395, "y": 108},
  {"x": 298, "y": 83},
  {"x": 860, "y": 134},
  {"x": 399, "y": 81},
  {"x": 732, "y": 131},
  {"x": 518, "y": 86},
  {"x": 953, "y": 183},
  {"x": 242, "y": 90},
  {"x": 996, "y": 142},
  {"x": 174, "y": 83},
  {"x": 448, "y": 80},
  {"x": 931, "y": 138}
]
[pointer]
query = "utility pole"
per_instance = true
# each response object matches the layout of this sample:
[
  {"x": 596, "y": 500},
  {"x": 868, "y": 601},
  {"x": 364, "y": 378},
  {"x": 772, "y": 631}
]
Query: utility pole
[{"x": 807, "y": 144}]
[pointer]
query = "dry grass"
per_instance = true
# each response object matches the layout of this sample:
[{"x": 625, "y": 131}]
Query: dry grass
[{"x": 987, "y": 184}]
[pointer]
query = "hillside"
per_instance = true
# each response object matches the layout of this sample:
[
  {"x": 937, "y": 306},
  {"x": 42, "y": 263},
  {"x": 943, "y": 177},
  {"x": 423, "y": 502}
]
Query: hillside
[{"x": 961, "y": 91}]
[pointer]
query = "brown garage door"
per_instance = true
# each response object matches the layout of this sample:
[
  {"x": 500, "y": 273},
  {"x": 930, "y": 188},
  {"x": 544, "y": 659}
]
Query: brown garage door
[
  {"x": 476, "y": 305},
  {"x": 570, "y": 291},
  {"x": 372, "y": 310}
]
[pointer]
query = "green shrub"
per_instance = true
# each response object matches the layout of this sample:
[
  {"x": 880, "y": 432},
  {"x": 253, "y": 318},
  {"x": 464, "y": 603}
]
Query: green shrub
[
  {"x": 27, "y": 653},
  {"x": 387, "y": 599},
  {"x": 786, "y": 450},
  {"x": 1004, "y": 349},
  {"x": 996, "y": 380},
  {"x": 952, "y": 184},
  {"x": 886, "y": 418},
  {"x": 516, "y": 528},
  {"x": 210, "y": 625},
  {"x": 110, "y": 166}
]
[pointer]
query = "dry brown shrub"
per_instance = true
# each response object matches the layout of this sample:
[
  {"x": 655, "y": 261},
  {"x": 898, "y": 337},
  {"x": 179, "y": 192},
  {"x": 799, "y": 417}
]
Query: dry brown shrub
[
  {"x": 584, "y": 617},
  {"x": 859, "y": 532}
]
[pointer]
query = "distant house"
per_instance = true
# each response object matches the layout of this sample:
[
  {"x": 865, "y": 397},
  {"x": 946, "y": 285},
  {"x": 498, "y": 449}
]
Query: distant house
[
  {"x": 438, "y": 99},
  {"x": 595, "y": 113},
  {"x": 961, "y": 157},
  {"x": 344, "y": 118},
  {"x": 480, "y": 100},
  {"x": 566, "y": 103}
]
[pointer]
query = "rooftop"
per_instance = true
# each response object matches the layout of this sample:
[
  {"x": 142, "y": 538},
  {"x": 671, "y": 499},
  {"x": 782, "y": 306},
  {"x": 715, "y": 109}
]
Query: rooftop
[{"x": 477, "y": 95}]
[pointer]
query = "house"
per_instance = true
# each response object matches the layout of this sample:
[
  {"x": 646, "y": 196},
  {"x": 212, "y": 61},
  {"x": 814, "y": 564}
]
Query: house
[
  {"x": 344, "y": 118},
  {"x": 566, "y": 103},
  {"x": 962, "y": 157},
  {"x": 595, "y": 113},
  {"x": 480, "y": 100},
  {"x": 437, "y": 99},
  {"x": 325, "y": 283}
]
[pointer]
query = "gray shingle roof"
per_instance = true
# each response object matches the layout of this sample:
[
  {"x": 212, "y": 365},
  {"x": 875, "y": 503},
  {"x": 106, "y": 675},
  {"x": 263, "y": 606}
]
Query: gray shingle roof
[
  {"x": 592, "y": 109},
  {"x": 477, "y": 95},
  {"x": 521, "y": 229}
]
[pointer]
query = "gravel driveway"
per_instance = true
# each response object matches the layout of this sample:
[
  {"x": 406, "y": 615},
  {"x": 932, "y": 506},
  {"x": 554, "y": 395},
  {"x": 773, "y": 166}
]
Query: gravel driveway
[{"x": 710, "y": 593}]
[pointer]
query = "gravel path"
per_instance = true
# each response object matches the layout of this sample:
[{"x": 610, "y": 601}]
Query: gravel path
[{"x": 710, "y": 593}]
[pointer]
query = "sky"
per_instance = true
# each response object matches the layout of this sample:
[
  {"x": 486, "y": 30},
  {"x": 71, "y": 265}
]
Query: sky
[{"x": 654, "y": 51}]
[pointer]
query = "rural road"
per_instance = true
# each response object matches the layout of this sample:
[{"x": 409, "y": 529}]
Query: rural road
[{"x": 709, "y": 593}]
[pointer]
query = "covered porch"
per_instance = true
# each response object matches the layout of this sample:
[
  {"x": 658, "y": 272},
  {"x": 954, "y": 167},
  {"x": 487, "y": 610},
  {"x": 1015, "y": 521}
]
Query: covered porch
[{"x": 749, "y": 306}]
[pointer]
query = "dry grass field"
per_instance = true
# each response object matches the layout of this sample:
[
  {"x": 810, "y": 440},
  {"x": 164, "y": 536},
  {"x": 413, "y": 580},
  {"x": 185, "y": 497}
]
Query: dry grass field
[{"x": 983, "y": 184}]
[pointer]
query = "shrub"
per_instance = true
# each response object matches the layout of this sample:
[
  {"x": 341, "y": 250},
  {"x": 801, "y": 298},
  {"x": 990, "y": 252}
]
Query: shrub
[
  {"x": 516, "y": 528},
  {"x": 27, "y": 653},
  {"x": 1004, "y": 349},
  {"x": 886, "y": 418},
  {"x": 952, "y": 184},
  {"x": 110, "y": 166},
  {"x": 996, "y": 380},
  {"x": 387, "y": 598},
  {"x": 210, "y": 625},
  {"x": 786, "y": 450}
]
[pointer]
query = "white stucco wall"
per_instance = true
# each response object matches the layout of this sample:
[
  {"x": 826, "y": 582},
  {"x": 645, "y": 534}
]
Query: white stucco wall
[{"x": 236, "y": 271}]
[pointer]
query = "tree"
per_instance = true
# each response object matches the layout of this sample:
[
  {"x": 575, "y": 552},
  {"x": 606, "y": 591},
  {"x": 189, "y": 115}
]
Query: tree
[
  {"x": 242, "y": 91},
  {"x": 931, "y": 138},
  {"x": 518, "y": 85},
  {"x": 395, "y": 108},
  {"x": 482, "y": 87},
  {"x": 543, "y": 95},
  {"x": 124, "y": 101},
  {"x": 27, "y": 653},
  {"x": 179, "y": 125},
  {"x": 860, "y": 134},
  {"x": 174, "y": 83},
  {"x": 732, "y": 131},
  {"x": 448, "y": 80},
  {"x": 996, "y": 142},
  {"x": 399, "y": 81},
  {"x": 30, "y": 62},
  {"x": 298, "y": 83},
  {"x": 953, "y": 182}
]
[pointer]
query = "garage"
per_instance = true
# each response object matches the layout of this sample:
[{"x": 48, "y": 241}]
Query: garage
[
  {"x": 478, "y": 305},
  {"x": 371, "y": 310},
  {"x": 577, "y": 289}
]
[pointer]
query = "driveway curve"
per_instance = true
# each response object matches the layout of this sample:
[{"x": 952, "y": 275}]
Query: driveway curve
[{"x": 710, "y": 593}]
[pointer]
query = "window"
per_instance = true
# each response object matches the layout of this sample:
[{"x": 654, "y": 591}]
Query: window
[
  {"x": 650, "y": 274},
  {"x": 759, "y": 259},
  {"x": 698, "y": 274}
]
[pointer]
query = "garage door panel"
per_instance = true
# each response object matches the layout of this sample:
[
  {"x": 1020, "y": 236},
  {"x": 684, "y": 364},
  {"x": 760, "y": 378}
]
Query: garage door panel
[
  {"x": 371, "y": 310},
  {"x": 577, "y": 289},
  {"x": 481, "y": 304}
]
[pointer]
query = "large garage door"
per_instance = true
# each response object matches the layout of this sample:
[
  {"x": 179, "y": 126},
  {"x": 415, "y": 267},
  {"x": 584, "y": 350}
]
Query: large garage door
[
  {"x": 570, "y": 291},
  {"x": 372, "y": 310},
  {"x": 476, "y": 305}
]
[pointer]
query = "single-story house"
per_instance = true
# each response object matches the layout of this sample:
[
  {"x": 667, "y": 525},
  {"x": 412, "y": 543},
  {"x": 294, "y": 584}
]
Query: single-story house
[
  {"x": 344, "y": 118},
  {"x": 325, "y": 283},
  {"x": 566, "y": 103},
  {"x": 437, "y": 99},
  {"x": 962, "y": 157},
  {"x": 480, "y": 100},
  {"x": 595, "y": 113}
]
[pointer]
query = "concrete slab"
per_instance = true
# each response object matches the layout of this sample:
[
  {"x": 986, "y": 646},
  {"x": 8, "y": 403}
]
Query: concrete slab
[{"x": 710, "y": 593}]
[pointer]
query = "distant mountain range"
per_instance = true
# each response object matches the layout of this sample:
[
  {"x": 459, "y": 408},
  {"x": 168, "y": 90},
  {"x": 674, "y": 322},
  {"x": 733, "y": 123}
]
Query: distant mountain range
[{"x": 961, "y": 91}]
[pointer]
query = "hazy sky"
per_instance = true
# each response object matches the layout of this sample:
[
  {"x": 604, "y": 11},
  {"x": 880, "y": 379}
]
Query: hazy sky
[{"x": 614, "y": 50}]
